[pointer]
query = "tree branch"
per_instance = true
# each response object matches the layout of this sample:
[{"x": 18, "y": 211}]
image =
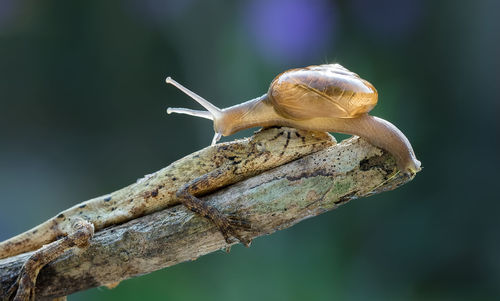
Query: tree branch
[{"x": 271, "y": 201}]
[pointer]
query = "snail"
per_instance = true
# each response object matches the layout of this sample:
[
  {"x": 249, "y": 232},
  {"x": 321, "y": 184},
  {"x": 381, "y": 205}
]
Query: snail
[{"x": 326, "y": 98}]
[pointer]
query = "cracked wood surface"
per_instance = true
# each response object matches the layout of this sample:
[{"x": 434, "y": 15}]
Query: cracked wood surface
[{"x": 271, "y": 201}]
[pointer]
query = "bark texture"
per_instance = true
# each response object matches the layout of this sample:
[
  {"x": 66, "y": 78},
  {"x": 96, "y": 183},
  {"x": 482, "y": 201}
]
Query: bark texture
[{"x": 270, "y": 201}]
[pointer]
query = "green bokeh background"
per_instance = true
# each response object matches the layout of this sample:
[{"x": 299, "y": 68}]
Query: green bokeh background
[{"x": 82, "y": 113}]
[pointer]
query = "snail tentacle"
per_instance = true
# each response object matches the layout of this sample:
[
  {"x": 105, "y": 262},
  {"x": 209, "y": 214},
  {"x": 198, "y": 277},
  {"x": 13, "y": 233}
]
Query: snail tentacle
[
  {"x": 197, "y": 113},
  {"x": 215, "y": 111}
]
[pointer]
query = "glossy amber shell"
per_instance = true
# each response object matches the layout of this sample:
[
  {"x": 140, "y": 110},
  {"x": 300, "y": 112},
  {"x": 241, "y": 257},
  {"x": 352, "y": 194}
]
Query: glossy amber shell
[{"x": 321, "y": 91}]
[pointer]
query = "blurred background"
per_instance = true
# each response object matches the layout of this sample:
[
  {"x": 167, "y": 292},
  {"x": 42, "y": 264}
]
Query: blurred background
[{"x": 82, "y": 113}]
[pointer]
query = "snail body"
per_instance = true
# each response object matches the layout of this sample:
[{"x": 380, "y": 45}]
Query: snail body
[{"x": 326, "y": 98}]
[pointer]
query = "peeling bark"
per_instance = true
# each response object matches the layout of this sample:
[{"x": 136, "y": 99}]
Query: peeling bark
[{"x": 271, "y": 201}]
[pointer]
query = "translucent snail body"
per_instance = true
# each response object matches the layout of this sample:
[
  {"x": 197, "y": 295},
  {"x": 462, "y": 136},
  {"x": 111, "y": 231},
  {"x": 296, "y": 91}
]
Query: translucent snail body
[{"x": 326, "y": 98}]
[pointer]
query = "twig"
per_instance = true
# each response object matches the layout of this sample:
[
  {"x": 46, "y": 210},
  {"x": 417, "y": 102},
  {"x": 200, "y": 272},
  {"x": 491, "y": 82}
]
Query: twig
[{"x": 271, "y": 201}]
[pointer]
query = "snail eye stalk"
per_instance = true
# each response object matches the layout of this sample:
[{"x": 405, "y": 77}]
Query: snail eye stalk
[{"x": 212, "y": 112}]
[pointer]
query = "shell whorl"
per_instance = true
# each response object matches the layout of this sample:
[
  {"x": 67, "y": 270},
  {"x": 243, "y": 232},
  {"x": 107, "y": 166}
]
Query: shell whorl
[{"x": 321, "y": 91}]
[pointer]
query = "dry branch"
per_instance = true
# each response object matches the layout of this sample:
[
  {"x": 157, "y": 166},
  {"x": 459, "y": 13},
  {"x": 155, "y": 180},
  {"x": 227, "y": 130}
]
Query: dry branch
[{"x": 271, "y": 201}]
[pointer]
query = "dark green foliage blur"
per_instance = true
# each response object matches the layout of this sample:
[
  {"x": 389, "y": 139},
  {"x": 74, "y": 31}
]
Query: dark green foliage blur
[{"x": 82, "y": 113}]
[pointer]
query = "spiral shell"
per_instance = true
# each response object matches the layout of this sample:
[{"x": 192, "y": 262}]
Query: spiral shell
[{"x": 321, "y": 91}]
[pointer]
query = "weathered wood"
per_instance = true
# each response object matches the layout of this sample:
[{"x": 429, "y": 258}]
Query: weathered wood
[{"x": 271, "y": 201}]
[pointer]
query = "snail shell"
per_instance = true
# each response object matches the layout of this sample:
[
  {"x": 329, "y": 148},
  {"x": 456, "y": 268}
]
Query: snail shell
[{"x": 321, "y": 91}]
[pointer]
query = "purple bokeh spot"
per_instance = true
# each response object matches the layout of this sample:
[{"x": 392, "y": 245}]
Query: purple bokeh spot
[
  {"x": 388, "y": 18},
  {"x": 290, "y": 30},
  {"x": 8, "y": 10}
]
